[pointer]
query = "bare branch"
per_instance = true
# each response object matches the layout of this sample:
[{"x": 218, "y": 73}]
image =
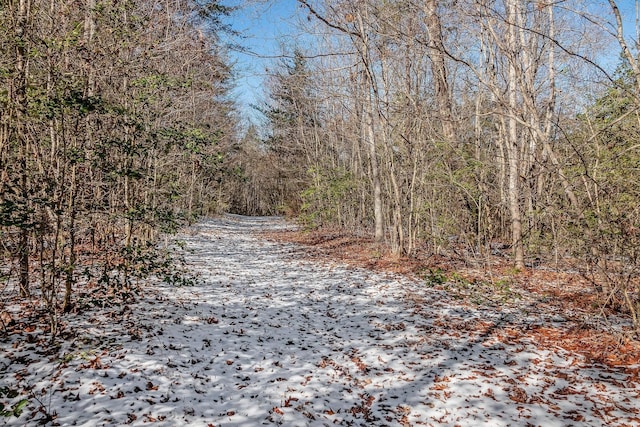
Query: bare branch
[
  {"x": 623, "y": 44},
  {"x": 324, "y": 20}
]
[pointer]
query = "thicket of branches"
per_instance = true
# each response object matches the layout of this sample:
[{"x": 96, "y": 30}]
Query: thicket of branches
[
  {"x": 478, "y": 124},
  {"x": 482, "y": 126},
  {"x": 114, "y": 124}
]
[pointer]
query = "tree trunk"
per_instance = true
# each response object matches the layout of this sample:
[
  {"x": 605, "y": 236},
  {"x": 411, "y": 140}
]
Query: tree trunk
[
  {"x": 368, "y": 88},
  {"x": 21, "y": 102},
  {"x": 513, "y": 143},
  {"x": 439, "y": 70}
]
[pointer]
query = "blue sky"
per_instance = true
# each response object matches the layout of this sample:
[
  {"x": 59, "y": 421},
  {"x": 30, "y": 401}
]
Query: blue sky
[{"x": 265, "y": 26}]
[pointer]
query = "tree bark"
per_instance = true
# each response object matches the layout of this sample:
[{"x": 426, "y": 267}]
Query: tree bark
[
  {"x": 513, "y": 143},
  {"x": 21, "y": 107},
  {"x": 439, "y": 70},
  {"x": 369, "y": 88}
]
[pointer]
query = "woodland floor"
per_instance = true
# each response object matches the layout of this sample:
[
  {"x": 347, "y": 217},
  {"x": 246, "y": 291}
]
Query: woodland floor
[{"x": 303, "y": 329}]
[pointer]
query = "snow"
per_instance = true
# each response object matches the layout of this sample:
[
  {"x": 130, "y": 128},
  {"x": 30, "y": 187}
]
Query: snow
[{"x": 269, "y": 338}]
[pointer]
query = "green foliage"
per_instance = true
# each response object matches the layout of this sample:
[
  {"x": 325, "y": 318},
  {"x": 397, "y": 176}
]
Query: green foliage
[
  {"x": 615, "y": 165},
  {"x": 14, "y": 410},
  {"x": 163, "y": 218},
  {"x": 119, "y": 281},
  {"x": 606, "y": 233},
  {"x": 161, "y": 263},
  {"x": 292, "y": 105},
  {"x": 212, "y": 13},
  {"x": 435, "y": 277},
  {"x": 71, "y": 102},
  {"x": 15, "y": 213},
  {"x": 191, "y": 140},
  {"x": 476, "y": 291},
  {"x": 112, "y": 136},
  {"x": 322, "y": 201},
  {"x": 64, "y": 41}
]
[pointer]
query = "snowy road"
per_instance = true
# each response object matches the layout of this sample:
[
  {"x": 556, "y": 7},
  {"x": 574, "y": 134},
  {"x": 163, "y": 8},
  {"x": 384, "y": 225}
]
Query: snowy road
[{"x": 269, "y": 338}]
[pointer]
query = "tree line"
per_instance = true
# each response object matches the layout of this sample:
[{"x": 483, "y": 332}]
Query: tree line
[
  {"x": 114, "y": 124},
  {"x": 482, "y": 126},
  {"x": 461, "y": 126}
]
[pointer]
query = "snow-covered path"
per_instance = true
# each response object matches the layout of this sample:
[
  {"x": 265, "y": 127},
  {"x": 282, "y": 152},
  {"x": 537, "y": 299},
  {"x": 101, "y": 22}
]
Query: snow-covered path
[{"x": 269, "y": 338}]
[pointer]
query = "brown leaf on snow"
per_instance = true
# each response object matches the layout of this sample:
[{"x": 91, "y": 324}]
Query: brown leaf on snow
[
  {"x": 367, "y": 399},
  {"x": 360, "y": 364},
  {"x": 403, "y": 409},
  {"x": 287, "y": 402},
  {"x": 556, "y": 292},
  {"x": 489, "y": 393},
  {"x": 96, "y": 387},
  {"x": 5, "y": 318},
  {"x": 567, "y": 391},
  {"x": 93, "y": 364},
  {"x": 482, "y": 373},
  {"x": 518, "y": 395},
  {"x": 575, "y": 416},
  {"x": 118, "y": 395}
]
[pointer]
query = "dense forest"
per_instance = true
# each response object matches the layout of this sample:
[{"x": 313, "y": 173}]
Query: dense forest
[
  {"x": 467, "y": 127},
  {"x": 483, "y": 125},
  {"x": 114, "y": 125}
]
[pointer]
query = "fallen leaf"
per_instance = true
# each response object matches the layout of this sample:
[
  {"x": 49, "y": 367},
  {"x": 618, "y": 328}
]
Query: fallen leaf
[
  {"x": 287, "y": 402},
  {"x": 118, "y": 395}
]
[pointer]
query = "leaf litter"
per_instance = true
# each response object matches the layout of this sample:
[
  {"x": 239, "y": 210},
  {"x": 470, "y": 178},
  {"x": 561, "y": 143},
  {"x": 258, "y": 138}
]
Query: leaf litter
[{"x": 270, "y": 337}]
